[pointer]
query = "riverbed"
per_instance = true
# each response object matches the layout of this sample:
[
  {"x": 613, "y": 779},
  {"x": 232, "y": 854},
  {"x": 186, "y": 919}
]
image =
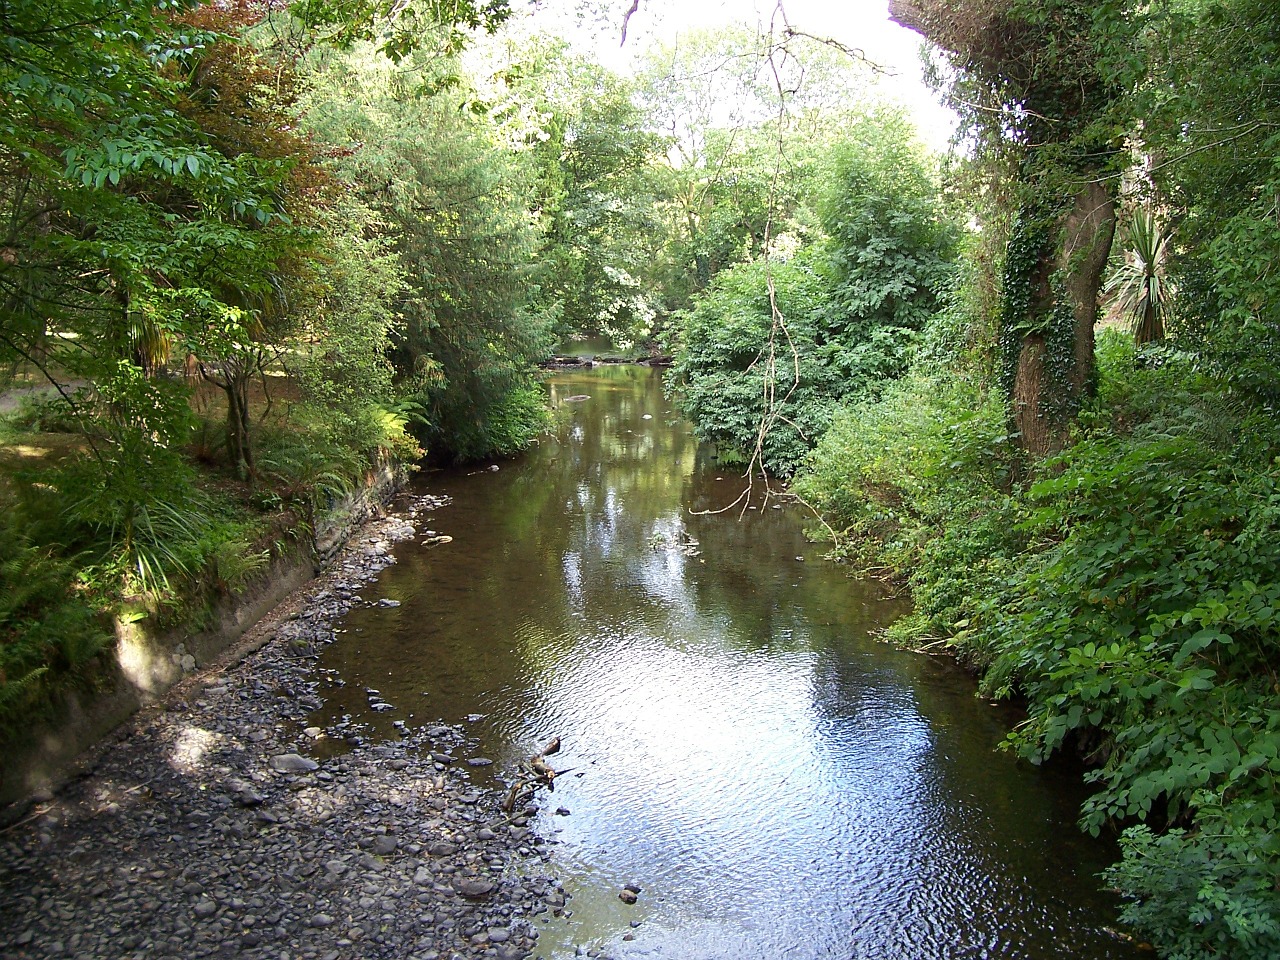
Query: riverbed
[{"x": 737, "y": 742}]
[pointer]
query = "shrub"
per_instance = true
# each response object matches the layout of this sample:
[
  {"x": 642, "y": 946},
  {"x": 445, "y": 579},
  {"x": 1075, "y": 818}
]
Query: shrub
[
  {"x": 1144, "y": 626},
  {"x": 737, "y": 368},
  {"x": 915, "y": 486},
  {"x": 48, "y": 631}
]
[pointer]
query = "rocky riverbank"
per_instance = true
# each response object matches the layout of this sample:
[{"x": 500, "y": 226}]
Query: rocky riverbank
[{"x": 217, "y": 825}]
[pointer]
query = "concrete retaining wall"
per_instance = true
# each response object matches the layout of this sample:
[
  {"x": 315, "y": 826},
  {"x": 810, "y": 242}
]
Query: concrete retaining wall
[{"x": 145, "y": 665}]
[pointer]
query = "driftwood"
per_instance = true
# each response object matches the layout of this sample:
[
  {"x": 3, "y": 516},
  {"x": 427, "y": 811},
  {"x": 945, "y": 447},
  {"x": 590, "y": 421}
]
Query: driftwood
[{"x": 533, "y": 773}]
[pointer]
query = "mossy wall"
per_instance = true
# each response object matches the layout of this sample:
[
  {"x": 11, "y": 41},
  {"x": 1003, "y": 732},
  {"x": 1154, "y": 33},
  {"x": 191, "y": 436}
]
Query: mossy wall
[{"x": 146, "y": 664}]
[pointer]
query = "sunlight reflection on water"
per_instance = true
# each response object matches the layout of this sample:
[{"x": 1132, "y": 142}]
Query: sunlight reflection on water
[{"x": 778, "y": 782}]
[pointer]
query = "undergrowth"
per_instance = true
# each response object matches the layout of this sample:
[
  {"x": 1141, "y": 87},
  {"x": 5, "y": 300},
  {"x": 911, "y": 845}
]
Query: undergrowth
[{"x": 150, "y": 521}]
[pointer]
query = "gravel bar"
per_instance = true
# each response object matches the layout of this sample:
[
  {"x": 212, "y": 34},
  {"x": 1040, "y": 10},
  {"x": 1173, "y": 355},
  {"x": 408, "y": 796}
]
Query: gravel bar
[{"x": 213, "y": 827}]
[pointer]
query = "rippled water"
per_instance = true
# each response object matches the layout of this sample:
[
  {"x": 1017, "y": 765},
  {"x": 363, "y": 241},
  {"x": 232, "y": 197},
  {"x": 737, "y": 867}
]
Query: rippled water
[{"x": 780, "y": 784}]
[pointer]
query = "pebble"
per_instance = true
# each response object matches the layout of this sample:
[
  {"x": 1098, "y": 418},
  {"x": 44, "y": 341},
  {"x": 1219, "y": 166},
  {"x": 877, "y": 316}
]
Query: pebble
[
  {"x": 375, "y": 853},
  {"x": 293, "y": 763}
]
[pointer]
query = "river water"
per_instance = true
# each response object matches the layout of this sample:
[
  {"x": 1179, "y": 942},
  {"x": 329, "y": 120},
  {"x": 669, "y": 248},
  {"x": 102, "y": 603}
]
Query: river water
[{"x": 779, "y": 783}]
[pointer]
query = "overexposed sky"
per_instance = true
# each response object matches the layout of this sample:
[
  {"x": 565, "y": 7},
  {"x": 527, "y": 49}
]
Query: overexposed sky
[{"x": 860, "y": 24}]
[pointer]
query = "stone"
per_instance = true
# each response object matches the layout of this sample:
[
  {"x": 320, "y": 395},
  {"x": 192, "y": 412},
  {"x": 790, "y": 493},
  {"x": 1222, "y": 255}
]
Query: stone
[
  {"x": 292, "y": 763},
  {"x": 474, "y": 888},
  {"x": 205, "y": 908},
  {"x": 384, "y": 845},
  {"x": 321, "y": 920}
]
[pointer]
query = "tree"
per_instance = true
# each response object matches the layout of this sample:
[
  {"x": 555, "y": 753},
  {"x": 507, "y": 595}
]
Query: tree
[
  {"x": 591, "y": 155},
  {"x": 1139, "y": 285},
  {"x": 749, "y": 117},
  {"x": 1031, "y": 78},
  {"x": 773, "y": 346},
  {"x": 455, "y": 210},
  {"x": 146, "y": 182}
]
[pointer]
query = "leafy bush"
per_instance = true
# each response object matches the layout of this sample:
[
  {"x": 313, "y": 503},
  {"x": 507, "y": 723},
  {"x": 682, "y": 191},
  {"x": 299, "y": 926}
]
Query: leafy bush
[
  {"x": 48, "y": 633},
  {"x": 134, "y": 510},
  {"x": 517, "y": 420},
  {"x": 737, "y": 367},
  {"x": 48, "y": 413},
  {"x": 308, "y": 467},
  {"x": 1130, "y": 594},
  {"x": 1146, "y": 629},
  {"x": 914, "y": 486},
  {"x": 848, "y": 308}
]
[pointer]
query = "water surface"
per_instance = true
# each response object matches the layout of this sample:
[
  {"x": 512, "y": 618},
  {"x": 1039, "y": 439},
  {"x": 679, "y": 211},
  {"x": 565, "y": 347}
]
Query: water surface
[{"x": 779, "y": 783}]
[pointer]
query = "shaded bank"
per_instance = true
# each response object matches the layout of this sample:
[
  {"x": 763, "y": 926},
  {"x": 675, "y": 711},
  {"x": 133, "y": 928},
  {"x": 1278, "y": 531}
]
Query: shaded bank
[
  {"x": 209, "y": 830},
  {"x": 145, "y": 663}
]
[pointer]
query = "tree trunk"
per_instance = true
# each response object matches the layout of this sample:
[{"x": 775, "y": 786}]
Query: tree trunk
[
  {"x": 1059, "y": 247},
  {"x": 1048, "y": 333}
]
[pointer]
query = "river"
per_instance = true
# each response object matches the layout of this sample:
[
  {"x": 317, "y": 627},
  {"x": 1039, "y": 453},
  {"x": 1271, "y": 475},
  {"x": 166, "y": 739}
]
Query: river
[{"x": 736, "y": 742}]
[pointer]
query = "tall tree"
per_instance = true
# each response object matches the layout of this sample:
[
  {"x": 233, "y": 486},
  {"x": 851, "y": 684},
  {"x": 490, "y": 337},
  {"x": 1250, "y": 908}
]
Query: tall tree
[
  {"x": 1031, "y": 79},
  {"x": 456, "y": 210}
]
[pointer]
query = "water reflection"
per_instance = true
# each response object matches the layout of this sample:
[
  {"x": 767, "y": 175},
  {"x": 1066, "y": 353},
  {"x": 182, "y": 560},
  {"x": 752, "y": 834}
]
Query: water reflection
[{"x": 778, "y": 783}]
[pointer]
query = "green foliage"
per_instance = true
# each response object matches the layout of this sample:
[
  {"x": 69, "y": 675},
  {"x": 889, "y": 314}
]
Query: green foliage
[
  {"x": 847, "y": 309},
  {"x": 308, "y": 465},
  {"x": 1147, "y": 628},
  {"x": 893, "y": 247},
  {"x": 591, "y": 156},
  {"x": 516, "y": 421},
  {"x": 454, "y": 212},
  {"x": 398, "y": 27},
  {"x": 48, "y": 632},
  {"x": 137, "y": 511},
  {"x": 738, "y": 367},
  {"x": 915, "y": 485},
  {"x": 1138, "y": 285},
  {"x": 1205, "y": 893}
]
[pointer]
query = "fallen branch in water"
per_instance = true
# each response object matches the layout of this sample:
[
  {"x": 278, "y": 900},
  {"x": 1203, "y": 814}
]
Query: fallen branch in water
[{"x": 533, "y": 773}]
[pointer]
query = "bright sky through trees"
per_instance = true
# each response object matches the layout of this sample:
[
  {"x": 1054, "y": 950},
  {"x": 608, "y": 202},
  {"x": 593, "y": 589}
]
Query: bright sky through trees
[{"x": 858, "y": 24}]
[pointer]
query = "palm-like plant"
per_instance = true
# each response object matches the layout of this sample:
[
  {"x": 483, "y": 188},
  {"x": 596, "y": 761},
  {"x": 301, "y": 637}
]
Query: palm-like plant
[{"x": 1140, "y": 288}]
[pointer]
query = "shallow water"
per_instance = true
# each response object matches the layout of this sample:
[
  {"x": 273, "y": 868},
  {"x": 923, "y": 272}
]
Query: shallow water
[{"x": 780, "y": 784}]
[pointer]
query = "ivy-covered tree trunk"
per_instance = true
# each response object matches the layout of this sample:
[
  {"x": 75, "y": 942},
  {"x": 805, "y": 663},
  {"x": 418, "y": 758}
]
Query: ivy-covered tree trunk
[
  {"x": 1045, "y": 100},
  {"x": 1053, "y": 275}
]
